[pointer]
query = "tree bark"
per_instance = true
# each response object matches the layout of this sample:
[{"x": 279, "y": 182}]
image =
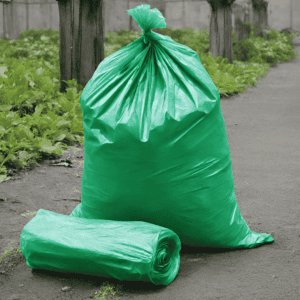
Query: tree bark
[
  {"x": 241, "y": 14},
  {"x": 220, "y": 29},
  {"x": 81, "y": 38},
  {"x": 260, "y": 16}
]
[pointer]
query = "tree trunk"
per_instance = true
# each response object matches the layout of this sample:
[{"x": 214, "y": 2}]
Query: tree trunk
[
  {"x": 220, "y": 32},
  {"x": 260, "y": 17},
  {"x": 241, "y": 15},
  {"x": 81, "y": 38}
]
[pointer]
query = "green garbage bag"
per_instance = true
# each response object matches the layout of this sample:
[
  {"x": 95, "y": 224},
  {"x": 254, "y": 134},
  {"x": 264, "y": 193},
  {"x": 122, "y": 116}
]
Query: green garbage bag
[
  {"x": 155, "y": 145},
  {"x": 133, "y": 251}
]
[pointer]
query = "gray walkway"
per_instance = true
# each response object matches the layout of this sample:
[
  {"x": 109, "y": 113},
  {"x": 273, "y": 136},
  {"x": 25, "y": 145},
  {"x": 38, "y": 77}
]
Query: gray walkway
[{"x": 263, "y": 127}]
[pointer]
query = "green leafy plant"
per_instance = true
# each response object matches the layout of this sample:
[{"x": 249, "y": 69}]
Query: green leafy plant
[
  {"x": 197, "y": 40},
  {"x": 38, "y": 122},
  {"x": 232, "y": 78},
  {"x": 273, "y": 48}
]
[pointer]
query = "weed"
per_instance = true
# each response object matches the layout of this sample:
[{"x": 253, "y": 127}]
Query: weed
[
  {"x": 9, "y": 252},
  {"x": 29, "y": 213},
  {"x": 106, "y": 292}
]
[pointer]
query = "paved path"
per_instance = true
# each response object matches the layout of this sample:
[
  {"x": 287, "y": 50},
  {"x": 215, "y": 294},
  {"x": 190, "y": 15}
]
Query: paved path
[{"x": 263, "y": 127}]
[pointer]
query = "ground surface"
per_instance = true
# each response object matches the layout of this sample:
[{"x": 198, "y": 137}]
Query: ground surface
[{"x": 264, "y": 137}]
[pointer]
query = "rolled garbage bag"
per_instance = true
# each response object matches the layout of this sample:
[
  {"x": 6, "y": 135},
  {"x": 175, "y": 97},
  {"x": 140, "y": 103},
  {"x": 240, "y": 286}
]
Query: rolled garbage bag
[{"x": 133, "y": 251}]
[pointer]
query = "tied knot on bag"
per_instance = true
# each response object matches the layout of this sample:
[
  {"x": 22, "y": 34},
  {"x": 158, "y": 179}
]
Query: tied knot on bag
[{"x": 145, "y": 37}]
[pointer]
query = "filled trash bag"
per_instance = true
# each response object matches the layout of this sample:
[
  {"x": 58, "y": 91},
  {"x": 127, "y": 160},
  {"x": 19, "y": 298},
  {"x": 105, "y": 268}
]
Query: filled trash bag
[
  {"x": 133, "y": 251},
  {"x": 155, "y": 143}
]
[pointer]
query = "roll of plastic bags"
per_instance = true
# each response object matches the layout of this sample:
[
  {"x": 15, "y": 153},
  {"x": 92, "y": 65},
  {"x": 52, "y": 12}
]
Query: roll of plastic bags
[
  {"x": 133, "y": 251},
  {"x": 156, "y": 147}
]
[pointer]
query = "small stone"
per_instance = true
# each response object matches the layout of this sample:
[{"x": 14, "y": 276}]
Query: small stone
[
  {"x": 66, "y": 288},
  {"x": 20, "y": 285}
]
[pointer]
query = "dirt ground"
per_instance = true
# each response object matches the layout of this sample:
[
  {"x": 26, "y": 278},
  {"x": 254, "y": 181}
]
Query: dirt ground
[{"x": 263, "y": 133}]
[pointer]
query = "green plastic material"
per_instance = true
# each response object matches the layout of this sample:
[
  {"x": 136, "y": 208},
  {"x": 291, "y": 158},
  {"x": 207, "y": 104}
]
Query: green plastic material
[
  {"x": 156, "y": 147},
  {"x": 133, "y": 251}
]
